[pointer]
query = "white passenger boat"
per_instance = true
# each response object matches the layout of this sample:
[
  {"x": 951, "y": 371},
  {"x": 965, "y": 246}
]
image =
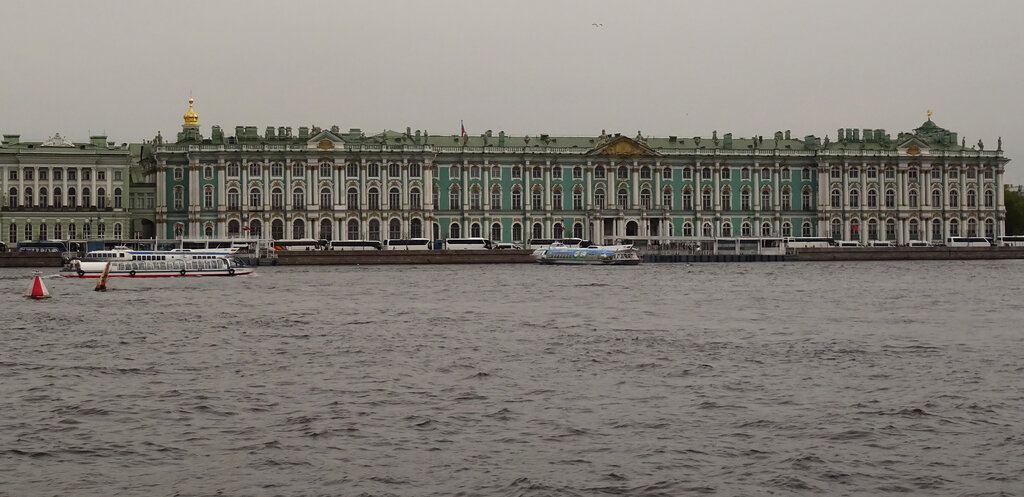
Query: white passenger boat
[
  {"x": 617, "y": 255},
  {"x": 154, "y": 264}
]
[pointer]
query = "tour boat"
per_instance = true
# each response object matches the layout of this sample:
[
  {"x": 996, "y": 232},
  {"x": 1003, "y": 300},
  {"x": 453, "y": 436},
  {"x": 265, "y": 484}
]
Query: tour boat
[
  {"x": 149, "y": 264},
  {"x": 617, "y": 255}
]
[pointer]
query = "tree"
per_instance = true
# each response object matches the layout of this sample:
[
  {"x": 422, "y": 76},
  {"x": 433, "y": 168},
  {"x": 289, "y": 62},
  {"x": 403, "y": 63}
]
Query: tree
[{"x": 1014, "y": 213}]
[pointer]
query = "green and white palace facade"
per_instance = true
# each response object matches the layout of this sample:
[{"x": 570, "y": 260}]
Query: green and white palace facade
[{"x": 332, "y": 184}]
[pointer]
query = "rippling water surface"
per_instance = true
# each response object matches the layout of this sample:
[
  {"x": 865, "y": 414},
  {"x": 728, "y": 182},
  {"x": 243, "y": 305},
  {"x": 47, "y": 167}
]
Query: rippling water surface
[{"x": 519, "y": 380}]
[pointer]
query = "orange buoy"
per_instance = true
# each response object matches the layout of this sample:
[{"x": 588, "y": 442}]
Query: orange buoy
[{"x": 38, "y": 289}]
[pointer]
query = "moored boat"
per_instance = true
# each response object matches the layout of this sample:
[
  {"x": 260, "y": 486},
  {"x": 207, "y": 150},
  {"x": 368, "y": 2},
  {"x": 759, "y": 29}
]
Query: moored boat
[
  {"x": 151, "y": 264},
  {"x": 623, "y": 255}
]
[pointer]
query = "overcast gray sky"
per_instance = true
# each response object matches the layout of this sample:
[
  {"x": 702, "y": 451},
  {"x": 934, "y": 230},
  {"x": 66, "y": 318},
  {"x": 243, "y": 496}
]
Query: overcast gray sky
[{"x": 527, "y": 67}]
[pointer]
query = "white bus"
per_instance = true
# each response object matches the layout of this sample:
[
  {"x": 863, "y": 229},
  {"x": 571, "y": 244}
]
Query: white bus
[
  {"x": 881, "y": 243},
  {"x": 848, "y": 244},
  {"x": 539, "y": 243},
  {"x": 808, "y": 242},
  {"x": 407, "y": 244},
  {"x": 467, "y": 244},
  {"x": 968, "y": 241},
  {"x": 355, "y": 245},
  {"x": 1010, "y": 241},
  {"x": 303, "y": 244}
]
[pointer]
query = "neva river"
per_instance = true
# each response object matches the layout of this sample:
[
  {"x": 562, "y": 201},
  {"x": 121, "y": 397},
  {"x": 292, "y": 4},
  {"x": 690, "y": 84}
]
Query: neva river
[{"x": 519, "y": 380}]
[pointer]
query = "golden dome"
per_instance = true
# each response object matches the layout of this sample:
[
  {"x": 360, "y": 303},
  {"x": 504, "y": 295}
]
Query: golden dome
[{"x": 191, "y": 118}]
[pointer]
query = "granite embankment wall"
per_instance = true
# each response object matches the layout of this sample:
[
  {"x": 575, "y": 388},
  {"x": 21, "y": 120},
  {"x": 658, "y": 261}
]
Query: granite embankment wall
[
  {"x": 30, "y": 259},
  {"x": 909, "y": 253},
  {"x": 329, "y": 257}
]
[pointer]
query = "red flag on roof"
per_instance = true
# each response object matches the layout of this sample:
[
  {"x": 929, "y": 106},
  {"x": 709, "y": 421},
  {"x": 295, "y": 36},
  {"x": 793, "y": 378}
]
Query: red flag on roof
[{"x": 463, "y": 128}]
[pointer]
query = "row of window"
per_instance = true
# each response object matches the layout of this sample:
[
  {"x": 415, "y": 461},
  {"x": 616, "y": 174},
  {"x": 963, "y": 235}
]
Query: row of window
[
  {"x": 373, "y": 170},
  {"x": 914, "y": 229},
  {"x": 44, "y": 174},
  {"x": 41, "y": 232},
  {"x": 27, "y": 197},
  {"x": 912, "y": 174},
  {"x": 912, "y": 199}
]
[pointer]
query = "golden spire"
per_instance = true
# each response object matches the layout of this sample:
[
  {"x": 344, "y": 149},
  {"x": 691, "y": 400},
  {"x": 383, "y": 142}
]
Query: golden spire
[
  {"x": 191, "y": 118},
  {"x": 929, "y": 114}
]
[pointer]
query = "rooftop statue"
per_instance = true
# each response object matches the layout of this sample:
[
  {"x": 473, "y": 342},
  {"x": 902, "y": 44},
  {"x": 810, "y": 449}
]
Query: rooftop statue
[{"x": 58, "y": 141}]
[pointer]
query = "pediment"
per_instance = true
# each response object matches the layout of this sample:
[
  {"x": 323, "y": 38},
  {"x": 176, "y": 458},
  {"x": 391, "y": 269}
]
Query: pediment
[
  {"x": 913, "y": 146},
  {"x": 623, "y": 146},
  {"x": 325, "y": 140}
]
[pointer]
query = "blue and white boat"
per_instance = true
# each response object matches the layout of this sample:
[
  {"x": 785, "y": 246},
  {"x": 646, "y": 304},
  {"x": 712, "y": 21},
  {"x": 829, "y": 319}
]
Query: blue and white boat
[
  {"x": 125, "y": 262},
  {"x": 622, "y": 255}
]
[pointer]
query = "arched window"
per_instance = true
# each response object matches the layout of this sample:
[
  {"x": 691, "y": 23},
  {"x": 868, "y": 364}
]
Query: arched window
[
  {"x": 277, "y": 229},
  {"x": 787, "y": 229},
  {"x": 352, "y": 170},
  {"x": 255, "y": 169},
  {"x": 496, "y": 232},
  {"x": 854, "y": 229},
  {"x": 556, "y": 198},
  {"x": 837, "y": 198},
  {"x": 517, "y": 232},
  {"x": 872, "y": 229},
  {"x": 233, "y": 227},
  {"x": 207, "y": 229},
  {"x": 233, "y": 198},
  {"x": 786, "y": 203},
  {"x": 517, "y": 172},
  {"x": 256, "y": 228},
  {"x": 496, "y": 197},
  {"x": 394, "y": 199},
  {"x": 623, "y": 200},
  {"x": 837, "y": 229},
  {"x": 57, "y": 233},
  {"x": 536, "y": 173},
  {"x": 577, "y": 230},
  {"x": 454, "y": 199},
  {"x": 666, "y": 197},
  {"x": 936, "y": 198},
  {"x": 474, "y": 198},
  {"x": 745, "y": 229},
  {"x": 28, "y": 231},
  {"x": 705, "y": 199},
  {"x": 632, "y": 228},
  {"x": 394, "y": 229},
  {"x": 352, "y": 198},
  {"x": 517, "y": 198},
  {"x": 599, "y": 202},
  {"x": 745, "y": 199},
  {"x": 373, "y": 171},
  {"x": 705, "y": 173},
  {"x": 913, "y": 229},
  {"x": 352, "y": 229},
  {"x": 622, "y": 172},
  {"x": 805, "y": 229},
  {"x": 326, "y": 198},
  {"x": 208, "y": 197},
  {"x": 954, "y": 200},
  {"x": 44, "y": 197},
  {"x": 972, "y": 227},
  {"x": 645, "y": 198},
  {"x": 536, "y": 198},
  {"x": 326, "y": 229},
  {"x": 496, "y": 172},
  {"x": 72, "y": 197},
  {"x": 687, "y": 199},
  {"x": 474, "y": 171},
  {"x": 577, "y": 172},
  {"x": 872, "y": 198},
  {"x": 29, "y": 200},
  {"x": 299, "y": 169},
  {"x": 890, "y": 199},
  {"x": 805, "y": 199},
  {"x": 912, "y": 198},
  {"x": 936, "y": 230},
  {"x": 414, "y": 170},
  {"x": 666, "y": 173},
  {"x": 179, "y": 197},
  {"x": 474, "y": 230},
  {"x": 766, "y": 198},
  {"x": 415, "y": 228},
  {"x": 726, "y": 229},
  {"x": 890, "y": 229},
  {"x": 277, "y": 170},
  {"x": 687, "y": 229},
  {"x": 58, "y": 199},
  {"x": 43, "y": 232},
  {"x": 374, "y": 230},
  {"x": 766, "y": 229},
  {"x": 972, "y": 199},
  {"x": 706, "y": 230},
  {"x": 117, "y": 197},
  {"x": 726, "y": 199},
  {"x": 599, "y": 172},
  {"x": 538, "y": 230},
  {"x": 415, "y": 199},
  {"x": 990, "y": 227},
  {"x": 954, "y": 227},
  {"x": 455, "y": 230},
  {"x": 276, "y": 198},
  {"x": 988, "y": 198},
  {"x": 645, "y": 172},
  {"x": 232, "y": 169},
  {"x": 373, "y": 199},
  {"x": 577, "y": 198},
  {"x": 559, "y": 230},
  {"x": 394, "y": 170},
  {"x": 12, "y": 201}
]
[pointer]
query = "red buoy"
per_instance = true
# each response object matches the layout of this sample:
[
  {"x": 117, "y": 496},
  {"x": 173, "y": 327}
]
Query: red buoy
[{"x": 38, "y": 289}]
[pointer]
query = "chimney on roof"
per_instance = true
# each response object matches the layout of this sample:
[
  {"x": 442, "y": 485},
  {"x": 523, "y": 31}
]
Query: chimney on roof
[
  {"x": 11, "y": 139},
  {"x": 98, "y": 140}
]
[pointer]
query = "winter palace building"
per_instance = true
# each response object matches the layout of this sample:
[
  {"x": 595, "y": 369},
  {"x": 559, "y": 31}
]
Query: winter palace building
[{"x": 327, "y": 183}]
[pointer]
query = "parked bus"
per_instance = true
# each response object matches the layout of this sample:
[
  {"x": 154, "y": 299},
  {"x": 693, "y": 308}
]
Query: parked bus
[
  {"x": 467, "y": 244},
  {"x": 407, "y": 244},
  {"x": 305, "y": 244},
  {"x": 968, "y": 241},
  {"x": 538, "y": 243},
  {"x": 808, "y": 242},
  {"x": 1010, "y": 241},
  {"x": 355, "y": 245}
]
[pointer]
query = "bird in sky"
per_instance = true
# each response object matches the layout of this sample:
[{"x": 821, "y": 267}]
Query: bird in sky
[{"x": 596, "y": 25}]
